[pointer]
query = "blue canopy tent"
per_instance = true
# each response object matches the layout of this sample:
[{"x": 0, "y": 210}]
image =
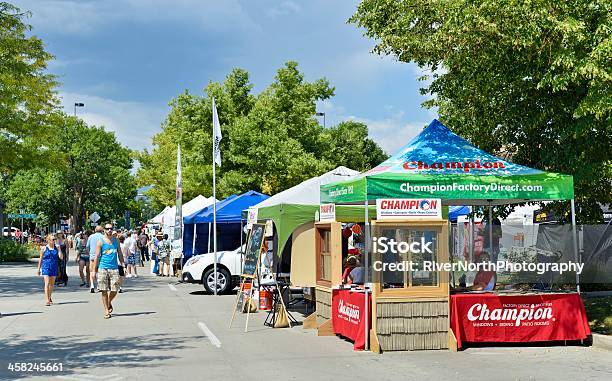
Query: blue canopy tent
[
  {"x": 455, "y": 211},
  {"x": 229, "y": 218}
]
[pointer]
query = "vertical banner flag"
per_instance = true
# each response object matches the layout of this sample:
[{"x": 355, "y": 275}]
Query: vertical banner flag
[
  {"x": 216, "y": 161},
  {"x": 177, "y": 239},
  {"x": 216, "y": 135}
]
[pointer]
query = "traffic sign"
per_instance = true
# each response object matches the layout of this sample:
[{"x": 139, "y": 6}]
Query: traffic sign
[
  {"x": 27, "y": 216},
  {"x": 95, "y": 217}
]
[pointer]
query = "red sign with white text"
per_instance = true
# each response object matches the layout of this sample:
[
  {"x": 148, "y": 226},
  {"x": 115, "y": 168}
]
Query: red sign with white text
[
  {"x": 518, "y": 318},
  {"x": 348, "y": 315}
]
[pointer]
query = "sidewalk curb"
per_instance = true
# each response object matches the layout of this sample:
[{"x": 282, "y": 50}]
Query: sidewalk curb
[{"x": 602, "y": 341}]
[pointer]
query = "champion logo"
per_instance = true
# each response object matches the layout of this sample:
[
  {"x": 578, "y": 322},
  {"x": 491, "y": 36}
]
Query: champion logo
[
  {"x": 467, "y": 166},
  {"x": 350, "y": 311},
  {"x": 481, "y": 312}
]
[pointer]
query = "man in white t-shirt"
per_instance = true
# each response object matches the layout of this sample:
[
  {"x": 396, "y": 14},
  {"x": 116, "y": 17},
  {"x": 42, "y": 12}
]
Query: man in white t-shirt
[{"x": 131, "y": 244}]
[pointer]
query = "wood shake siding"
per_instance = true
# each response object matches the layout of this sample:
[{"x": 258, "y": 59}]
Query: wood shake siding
[
  {"x": 414, "y": 325},
  {"x": 323, "y": 305}
]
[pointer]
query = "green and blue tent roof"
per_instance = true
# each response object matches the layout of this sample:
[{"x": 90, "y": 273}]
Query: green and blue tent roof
[{"x": 440, "y": 164}]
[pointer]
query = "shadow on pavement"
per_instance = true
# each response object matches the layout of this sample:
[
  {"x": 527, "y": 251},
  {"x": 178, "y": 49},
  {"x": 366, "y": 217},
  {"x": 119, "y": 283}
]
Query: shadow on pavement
[
  {"x": 75, "y": 302},
  {"x": 80, "y": 354},
  {"x": 21, "y": 313},
  {"x": 13, "y": 286},
  {"x": 134, "y": 313}
]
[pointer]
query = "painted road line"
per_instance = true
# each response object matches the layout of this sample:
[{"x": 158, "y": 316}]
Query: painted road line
[
  {"x": 211, "y": 336},
  {"x": 171, "y": 287}
]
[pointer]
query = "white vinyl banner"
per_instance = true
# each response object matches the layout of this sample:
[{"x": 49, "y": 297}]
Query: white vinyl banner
[
  {"x": 251, "y": 217},
  {"x": 408, "y": 208},
  {"x": 327, "y": 212}
]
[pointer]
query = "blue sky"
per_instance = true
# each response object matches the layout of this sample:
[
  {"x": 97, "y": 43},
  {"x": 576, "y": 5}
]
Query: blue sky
[{"x": 127, "y": 59}]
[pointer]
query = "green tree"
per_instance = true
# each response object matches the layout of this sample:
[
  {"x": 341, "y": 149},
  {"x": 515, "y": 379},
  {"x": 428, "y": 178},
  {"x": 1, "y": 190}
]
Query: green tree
[
  {"x": 271, "y": 141},
  {"x": 27, "y": 95},
  {"x": 92, "y": 174},
  {"x": 351, "y": 147},
  {"x": 39, "y": 191},
  {"x": 189, "y": 124},
  {"x": 531, "y": 79}
]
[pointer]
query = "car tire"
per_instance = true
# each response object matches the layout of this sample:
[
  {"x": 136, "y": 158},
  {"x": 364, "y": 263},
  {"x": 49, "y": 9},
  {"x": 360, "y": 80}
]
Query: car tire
[{"x": 224, "y": 280}]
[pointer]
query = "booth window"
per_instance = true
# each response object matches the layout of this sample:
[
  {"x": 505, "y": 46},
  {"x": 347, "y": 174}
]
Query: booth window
[
  {"x": 418, "y": 246},
  {"x": 324, "y": 257}
]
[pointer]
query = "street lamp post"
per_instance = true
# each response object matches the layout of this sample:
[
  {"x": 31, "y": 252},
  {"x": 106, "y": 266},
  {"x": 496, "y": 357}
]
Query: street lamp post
[
  {"x": 323, "y": 115},
  {"x": 78, "y": 104}
]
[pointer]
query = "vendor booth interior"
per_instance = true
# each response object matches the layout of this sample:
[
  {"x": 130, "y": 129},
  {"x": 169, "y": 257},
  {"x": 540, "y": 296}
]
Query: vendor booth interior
[{"x": 409, "y": 309}]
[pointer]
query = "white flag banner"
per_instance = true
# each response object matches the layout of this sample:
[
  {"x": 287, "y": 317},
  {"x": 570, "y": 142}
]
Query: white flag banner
[
  {"x": 216, "y": 135},
  {"x": 177, "y": 237}
]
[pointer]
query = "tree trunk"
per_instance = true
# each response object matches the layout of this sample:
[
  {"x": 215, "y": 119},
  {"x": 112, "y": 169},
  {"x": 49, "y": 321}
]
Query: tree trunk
[{"x": 77, "y": 209}]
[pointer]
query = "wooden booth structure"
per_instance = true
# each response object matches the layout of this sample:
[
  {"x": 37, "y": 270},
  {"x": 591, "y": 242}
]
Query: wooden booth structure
[{"x": 411, "y": 309}]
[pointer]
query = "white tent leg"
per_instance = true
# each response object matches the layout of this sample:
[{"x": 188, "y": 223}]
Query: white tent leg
[
  {"x": 365, "y": 280},
  {"x": 575, "y": 243},
  {"x": 471, "y": 230},
  {"x": 194, "y": 239},
  {"x": 208, "y": 238},
  {"x": 491, "y": 232}
]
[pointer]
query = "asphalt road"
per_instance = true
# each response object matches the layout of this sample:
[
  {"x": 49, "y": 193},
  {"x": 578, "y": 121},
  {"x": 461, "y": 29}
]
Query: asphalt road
[{"x": 162, "y": 330}]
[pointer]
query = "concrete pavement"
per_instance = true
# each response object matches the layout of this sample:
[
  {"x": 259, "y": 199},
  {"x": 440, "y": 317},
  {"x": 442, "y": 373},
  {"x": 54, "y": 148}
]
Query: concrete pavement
[{"x": 162, "y": 330}]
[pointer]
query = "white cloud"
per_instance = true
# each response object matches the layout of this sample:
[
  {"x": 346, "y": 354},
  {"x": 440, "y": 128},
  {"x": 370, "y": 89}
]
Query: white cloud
[
  {"x": 283, "y": 9},
  {"x": 393, "y": 132},
  {"x": 81, "y": 16},
  {"x": 134, "y": 123}
]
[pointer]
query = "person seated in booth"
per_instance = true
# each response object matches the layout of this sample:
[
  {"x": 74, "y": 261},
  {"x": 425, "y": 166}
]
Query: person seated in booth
[
  {"x": 353, "y": 272},
  {"x": 484, "y": 280}
]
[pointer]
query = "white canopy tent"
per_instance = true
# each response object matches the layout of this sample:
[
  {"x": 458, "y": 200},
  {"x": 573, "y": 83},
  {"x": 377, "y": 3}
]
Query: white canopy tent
[
  {"x": 159, "y": 219},
  {"x": 198, "y": 203},
  {"x": 307, "y": 192}
]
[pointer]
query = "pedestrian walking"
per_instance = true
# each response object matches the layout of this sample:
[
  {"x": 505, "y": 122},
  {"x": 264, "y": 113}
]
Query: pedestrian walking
[
  {"x": 83, "y": 259},
  {"x": 121, "y": 268},
  {"x": 132, "y": 256},
  {"x": 92, "y": 243},
  {"x": 154, "y": 245},
  {"x": 62, "y": 276},
  {"x": 165, "y": 248},
  {"x": 48, "y": 266},
  {"x": 106, "y": 266},
  {"x": 143, "y": 245}
]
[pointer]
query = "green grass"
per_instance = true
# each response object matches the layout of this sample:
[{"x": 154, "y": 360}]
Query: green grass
[{"x": 599, "y": 313}]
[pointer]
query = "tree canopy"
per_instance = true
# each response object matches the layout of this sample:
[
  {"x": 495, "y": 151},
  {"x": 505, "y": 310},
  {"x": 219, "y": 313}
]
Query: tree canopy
[
  {"x": 271, "y": 141},
  {"x": 532, "y": 80},
  {"x": 27, "y": 94},
  {"x": 92, "y": 174}
]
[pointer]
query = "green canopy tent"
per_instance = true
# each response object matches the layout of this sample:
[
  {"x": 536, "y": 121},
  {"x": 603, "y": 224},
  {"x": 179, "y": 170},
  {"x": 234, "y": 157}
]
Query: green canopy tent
[{"x": 437, "y": 163}]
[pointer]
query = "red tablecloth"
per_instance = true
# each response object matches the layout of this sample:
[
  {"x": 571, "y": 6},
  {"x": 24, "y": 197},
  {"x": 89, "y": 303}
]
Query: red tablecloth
[
  {"x": 348, "y": 315},
  {"x": 518, "y": 318}
]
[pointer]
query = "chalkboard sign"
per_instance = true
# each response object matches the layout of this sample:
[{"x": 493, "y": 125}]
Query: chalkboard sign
[{"x": 253, "y": 248}]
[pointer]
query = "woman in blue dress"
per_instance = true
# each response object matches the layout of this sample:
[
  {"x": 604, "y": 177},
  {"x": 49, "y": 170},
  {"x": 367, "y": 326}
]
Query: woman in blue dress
[{"x": 50, "y": 255}]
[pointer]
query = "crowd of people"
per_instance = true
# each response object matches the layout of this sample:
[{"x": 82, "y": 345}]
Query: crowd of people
[{"x": 105, "y": 258}]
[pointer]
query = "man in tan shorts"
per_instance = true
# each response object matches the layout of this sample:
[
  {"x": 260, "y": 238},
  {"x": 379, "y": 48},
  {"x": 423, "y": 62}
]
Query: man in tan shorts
[{"x": 92, "y": 243}]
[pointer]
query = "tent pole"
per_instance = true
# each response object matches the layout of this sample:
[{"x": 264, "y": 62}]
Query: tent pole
[
  {"x": 575, "y": 243},
  {"x": 471, "y": 230},
  {"x": 194, "y": 239},
  {"x": 365, "y": 279},
  {"x": 491, "y": 233},
  {"x": 208, "y": 238}
]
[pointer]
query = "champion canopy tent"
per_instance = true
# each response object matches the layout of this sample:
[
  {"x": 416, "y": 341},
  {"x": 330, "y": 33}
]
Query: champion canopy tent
[
  {"x": 439, "y": 164},
  {"x": 229, "y": 217}
]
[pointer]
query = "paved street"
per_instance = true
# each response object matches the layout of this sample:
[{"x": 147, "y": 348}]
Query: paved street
[{"x": 158, "y": 332}]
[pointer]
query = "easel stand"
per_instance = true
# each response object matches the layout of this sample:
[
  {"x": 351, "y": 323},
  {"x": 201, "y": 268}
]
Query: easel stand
[{"x": 244, "y": 279}]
